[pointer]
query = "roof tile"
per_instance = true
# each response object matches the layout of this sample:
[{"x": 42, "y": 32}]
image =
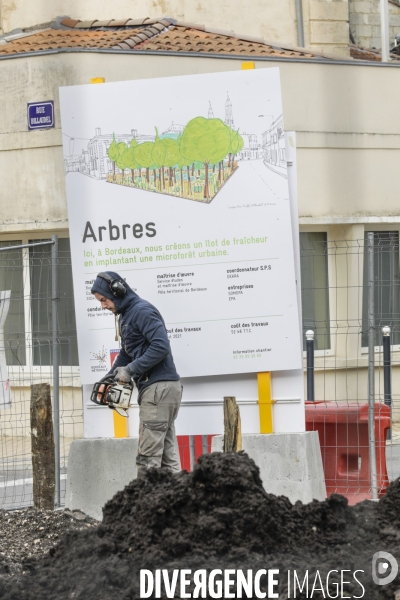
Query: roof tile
[
  {"x": 123, "y": 46},
  {"x": 148, "y": 21},
  {"x": 69, "y": 22},
  {"x": 130, "y": 43},
  {"x": 141, "y": 36},
  {"x": 190, "y": 25},
  {"x": 118, "y": 22},
  {"x": 135, "y": 22},
  {"x": 101, "y": 23},
  {"x": 157, "y": 35},
  {"x": 85, "y": 24}
]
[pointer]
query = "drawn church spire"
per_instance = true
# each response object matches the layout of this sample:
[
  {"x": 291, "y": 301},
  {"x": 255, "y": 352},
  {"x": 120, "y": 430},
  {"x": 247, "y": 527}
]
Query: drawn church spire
[
  {"x": 228, "y": 113},
  {"x": 210, "y": 111}
]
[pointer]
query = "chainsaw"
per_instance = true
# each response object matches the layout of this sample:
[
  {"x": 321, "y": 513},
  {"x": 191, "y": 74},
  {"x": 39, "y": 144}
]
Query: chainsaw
[{"x": 116, "y": 396}]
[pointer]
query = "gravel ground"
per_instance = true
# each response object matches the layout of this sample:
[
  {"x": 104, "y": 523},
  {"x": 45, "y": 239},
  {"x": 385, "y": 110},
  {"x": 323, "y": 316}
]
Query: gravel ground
[{"x": 30, "y": 533}]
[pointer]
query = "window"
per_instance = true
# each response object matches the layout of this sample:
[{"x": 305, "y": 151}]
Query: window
[
  {"x": 28, "y": 330},
  {"x": 11, "y": 279},
  {"x": 40, "y": 274},
  {"x": 315, "y": 287},
  {"x": 386, "y": 287}
]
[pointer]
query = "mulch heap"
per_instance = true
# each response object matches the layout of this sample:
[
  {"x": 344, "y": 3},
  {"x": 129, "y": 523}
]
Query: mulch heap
[{"x": 217, "y": 517}]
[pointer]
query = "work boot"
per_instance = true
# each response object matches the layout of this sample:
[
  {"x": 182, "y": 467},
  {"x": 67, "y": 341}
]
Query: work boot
[{"x": 141, "y": 471}]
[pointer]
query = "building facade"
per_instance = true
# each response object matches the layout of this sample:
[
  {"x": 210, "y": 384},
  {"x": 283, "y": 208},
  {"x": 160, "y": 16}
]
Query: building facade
[{"x": 347, "y": 162}]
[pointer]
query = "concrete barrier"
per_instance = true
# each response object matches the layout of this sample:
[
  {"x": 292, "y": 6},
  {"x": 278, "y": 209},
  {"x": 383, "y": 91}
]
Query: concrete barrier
[
  {"x": 98, "y": 469},
  {"x": 290, "y": 463}
]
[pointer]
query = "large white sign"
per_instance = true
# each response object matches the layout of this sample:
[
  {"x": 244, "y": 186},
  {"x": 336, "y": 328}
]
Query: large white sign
[{"x": 180, "y": 185}]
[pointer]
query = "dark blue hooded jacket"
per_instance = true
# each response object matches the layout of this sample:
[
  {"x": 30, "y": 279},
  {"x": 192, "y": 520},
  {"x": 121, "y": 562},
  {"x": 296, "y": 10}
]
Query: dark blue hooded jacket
[{"x": 145, "y": 344}]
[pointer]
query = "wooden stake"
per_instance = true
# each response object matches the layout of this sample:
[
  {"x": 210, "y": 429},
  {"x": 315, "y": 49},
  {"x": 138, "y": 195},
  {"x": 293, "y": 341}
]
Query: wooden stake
[
  {"x": 43, "y": 462},
  {"x": 232, "y": 425}
]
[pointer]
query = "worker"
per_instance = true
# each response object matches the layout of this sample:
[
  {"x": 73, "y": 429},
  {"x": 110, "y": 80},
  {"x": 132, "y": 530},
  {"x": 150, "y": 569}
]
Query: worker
[{"x": 145, "y": 358}]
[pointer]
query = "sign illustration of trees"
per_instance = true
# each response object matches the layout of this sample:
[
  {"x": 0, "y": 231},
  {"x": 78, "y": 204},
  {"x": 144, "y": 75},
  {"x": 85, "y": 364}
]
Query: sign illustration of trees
[
  {"x": 193, "y": 166},
  {"x": 120, "y": 162},
  {"x": 143, "y": 154},
  {"x": 113, "y": 153},
  {"x": 205, "y": 141},
  {"x": 128, "y": 158}
]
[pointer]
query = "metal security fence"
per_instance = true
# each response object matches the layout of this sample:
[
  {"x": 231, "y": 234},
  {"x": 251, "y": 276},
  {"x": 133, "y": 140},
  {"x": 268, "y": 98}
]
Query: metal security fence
[
  {"x": 350, "y": 293},
  {"x": 37, "y": 345},
  {"x": 351, "y": 326}
]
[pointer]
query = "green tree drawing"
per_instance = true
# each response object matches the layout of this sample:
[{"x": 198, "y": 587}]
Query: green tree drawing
[
  {"x": 206, "y": 141},
  {"x": 122, "y": 147},
  {"x": 235, "y": 146},
  {"x": 172, "y": 156},
  {"x": 143, "y": 156},
  {"x": 128, "y": 158},
  {"x": 158, "y": 155},
  {"x": 113, "y": 152},
  {"x": 180, "y": 164},
  {"x": 183, "y": 163}
]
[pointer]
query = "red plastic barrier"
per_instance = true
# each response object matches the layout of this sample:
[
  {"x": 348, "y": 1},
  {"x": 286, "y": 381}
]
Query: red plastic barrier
[
  {"x": 343, "y": 436},
  {"x": 190, "y": 448}
]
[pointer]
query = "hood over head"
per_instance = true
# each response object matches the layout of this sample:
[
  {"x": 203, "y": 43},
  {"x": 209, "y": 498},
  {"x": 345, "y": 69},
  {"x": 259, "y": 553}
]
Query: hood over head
[{"x": 101, "y": 286}]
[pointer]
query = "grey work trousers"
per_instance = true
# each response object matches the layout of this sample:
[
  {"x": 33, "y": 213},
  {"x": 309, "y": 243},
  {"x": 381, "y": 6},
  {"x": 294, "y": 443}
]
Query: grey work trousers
[{"x": 159, "y": 406}]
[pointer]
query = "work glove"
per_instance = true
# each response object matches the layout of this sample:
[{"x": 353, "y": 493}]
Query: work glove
[{"x": 123, "y": 374}]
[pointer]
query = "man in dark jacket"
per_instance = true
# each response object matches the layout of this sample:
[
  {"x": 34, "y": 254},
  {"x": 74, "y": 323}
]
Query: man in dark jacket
[{"x": 146, "y": 357}]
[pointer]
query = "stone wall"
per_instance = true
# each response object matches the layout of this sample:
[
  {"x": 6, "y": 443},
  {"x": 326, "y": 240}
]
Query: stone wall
[
  {"x": 328, "y": 26},
  {"x": 365, "y": 22}
]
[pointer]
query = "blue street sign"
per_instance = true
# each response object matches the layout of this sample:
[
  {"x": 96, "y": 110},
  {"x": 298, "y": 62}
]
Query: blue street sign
[{"x": 40, "y": 115}]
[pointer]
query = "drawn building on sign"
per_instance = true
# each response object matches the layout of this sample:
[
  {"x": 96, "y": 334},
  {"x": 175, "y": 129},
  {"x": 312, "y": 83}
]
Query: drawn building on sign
[
  {"x": 229, "y": 113},
  {"x": 251, "y": 150},
  {"x": 173, "y": 131},
  {"x": 95, "y": 161},
  {"x": 100, "y": 164},
  {"x": 273, "y": 142}
]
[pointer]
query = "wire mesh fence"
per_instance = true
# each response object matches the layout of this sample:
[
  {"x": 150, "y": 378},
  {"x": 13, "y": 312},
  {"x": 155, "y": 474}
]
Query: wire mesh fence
[
  {"x": 350, "y": 379},
  {"x": 335, "y": 288},
  {"x": 26, "y": 358}
]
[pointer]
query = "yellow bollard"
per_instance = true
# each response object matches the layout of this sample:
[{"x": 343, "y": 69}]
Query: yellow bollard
[
  {"x": 248, "y": 65},
  {"x": 120, "y": 425},
  {"x": 265, "y": 403}
]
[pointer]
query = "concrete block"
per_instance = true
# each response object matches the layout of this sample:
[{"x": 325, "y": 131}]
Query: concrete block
[
  {"x": 335, "y": 50},
  {"x": 364, "y": 31},
  {"x": 373, "y": 20},
  {"x": 97, "y": 469},
  {"x": 359, "y": 19},
  {"x": 329, "y": 11},
  {"x": 325, "y": 32},
  {"x": 362, "y": 7},
  {"x": 290, "y": 463}
]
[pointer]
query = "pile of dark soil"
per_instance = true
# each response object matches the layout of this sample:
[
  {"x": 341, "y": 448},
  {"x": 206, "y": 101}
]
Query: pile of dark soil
[{"x": 217, "y": 517}]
